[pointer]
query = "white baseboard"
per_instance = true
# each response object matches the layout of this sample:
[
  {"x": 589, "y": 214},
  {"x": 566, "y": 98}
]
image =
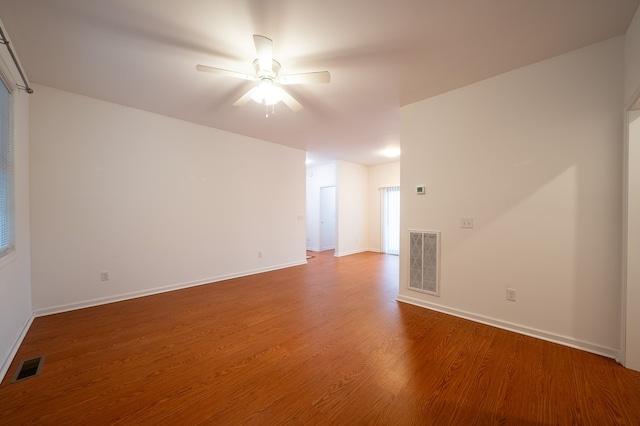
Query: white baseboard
[
  {"x": 348, "y": 253},
  {"x": 505, "y": 325},
  {"x": 6, "y": 363},
  {"x": 157, "y": 290}
]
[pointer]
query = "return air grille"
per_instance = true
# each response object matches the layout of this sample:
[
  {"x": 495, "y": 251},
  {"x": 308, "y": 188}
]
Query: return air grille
[{"x": 424, "y": 262}]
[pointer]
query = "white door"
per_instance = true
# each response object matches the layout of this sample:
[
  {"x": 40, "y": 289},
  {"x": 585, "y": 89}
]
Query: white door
[{"x": 327, "y": 217}]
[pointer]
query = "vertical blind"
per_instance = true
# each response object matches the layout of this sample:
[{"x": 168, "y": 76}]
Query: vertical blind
[
  {"x": 391, "y": 219},
  {"x": 6, "y": 171}
]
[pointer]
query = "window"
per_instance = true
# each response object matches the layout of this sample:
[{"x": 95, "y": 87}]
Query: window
[{"x": 6, "y": 172}]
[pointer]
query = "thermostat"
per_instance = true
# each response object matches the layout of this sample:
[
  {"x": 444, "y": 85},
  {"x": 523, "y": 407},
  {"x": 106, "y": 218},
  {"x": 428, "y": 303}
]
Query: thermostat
[{"x": 421, "y": 189}]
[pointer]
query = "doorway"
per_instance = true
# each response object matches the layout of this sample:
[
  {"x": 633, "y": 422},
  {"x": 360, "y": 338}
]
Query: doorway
[
  {"x": 631, "y": 327},
  {"x": 390, "y": 220},
  {"x": 327, "y": 218}
]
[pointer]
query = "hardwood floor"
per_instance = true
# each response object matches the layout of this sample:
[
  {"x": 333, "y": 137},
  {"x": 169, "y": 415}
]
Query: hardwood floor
[{"x": 324, "y": 343}]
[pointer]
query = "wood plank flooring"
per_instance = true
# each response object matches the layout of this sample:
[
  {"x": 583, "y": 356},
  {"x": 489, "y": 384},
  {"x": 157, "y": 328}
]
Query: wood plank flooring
[{"x": 323, "y": 343}]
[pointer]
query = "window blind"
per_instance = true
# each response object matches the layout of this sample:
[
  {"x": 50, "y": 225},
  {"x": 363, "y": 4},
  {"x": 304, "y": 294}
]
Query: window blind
[{"x": 6, "y": 172}]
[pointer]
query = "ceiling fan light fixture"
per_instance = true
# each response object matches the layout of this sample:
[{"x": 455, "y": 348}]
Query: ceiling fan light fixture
[{"x": 267, "y": 93}]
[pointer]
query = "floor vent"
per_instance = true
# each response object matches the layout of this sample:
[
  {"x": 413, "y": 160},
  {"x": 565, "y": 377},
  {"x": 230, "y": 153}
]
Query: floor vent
[
  {"x": 29, "y": 368},
  {"x": 424, "y": 262}
]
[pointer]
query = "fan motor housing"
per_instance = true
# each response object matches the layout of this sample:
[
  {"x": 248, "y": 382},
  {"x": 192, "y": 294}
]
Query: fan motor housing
[{"x": 275, "y": 69}]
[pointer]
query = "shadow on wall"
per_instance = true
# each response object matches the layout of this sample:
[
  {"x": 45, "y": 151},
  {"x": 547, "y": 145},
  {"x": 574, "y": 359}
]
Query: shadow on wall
[{"x": 534, "y": 156}]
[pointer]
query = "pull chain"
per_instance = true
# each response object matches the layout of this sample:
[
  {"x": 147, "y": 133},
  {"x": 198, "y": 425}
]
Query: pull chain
[{"x": 266, "y": 108}]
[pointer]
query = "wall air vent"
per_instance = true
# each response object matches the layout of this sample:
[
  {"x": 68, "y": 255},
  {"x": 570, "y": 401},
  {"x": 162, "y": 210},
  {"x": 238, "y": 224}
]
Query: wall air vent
[{"x": 424, "y": 262}]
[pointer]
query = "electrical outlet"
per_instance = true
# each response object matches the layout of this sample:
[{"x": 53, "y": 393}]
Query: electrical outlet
[
  {"x": 511, "y": 294},
  {"x": 466, "y": 222},
  {"x": 260, "y": 254},
  {"x": 104, "y": 276}
]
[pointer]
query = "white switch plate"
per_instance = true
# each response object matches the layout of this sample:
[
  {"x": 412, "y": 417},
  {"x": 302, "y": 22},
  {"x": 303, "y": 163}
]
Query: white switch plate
[
  {"x": 466, "y": 222},
  {"x": 511, "y": 294}
]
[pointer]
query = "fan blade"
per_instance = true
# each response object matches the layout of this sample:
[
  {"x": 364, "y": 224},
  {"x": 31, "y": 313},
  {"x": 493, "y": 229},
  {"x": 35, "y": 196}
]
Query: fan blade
[
  {"x": 289, "y": 101},
  {"x": 228, "y": 73},
  {"x": 306, "y": 78},
  {"x": 264, "y": 49},
  {"x": 244, "y": 99}
]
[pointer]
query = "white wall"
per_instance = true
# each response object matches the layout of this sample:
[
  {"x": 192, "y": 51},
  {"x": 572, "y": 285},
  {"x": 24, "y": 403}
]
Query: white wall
[
  {"x": 352, "y": 206},
  {"x": 380, "y": 176},
  {"x": 158, "y": 202},
  {"x": 317, "y": 177},
  {"x": 534, "y": 156}
]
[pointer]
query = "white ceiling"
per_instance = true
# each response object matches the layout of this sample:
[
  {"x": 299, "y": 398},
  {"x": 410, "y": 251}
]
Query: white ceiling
[{"x": 382, "y": 54}]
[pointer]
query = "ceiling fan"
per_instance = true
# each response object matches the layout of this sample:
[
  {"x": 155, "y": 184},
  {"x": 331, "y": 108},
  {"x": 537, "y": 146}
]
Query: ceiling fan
[{"x": 269, "y": 90}]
